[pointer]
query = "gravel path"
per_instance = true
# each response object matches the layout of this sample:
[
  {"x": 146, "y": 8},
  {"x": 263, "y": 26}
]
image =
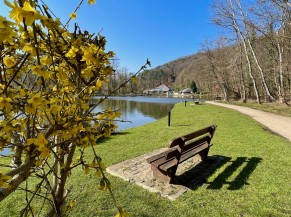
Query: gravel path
[{"x": 276, "y": 123}]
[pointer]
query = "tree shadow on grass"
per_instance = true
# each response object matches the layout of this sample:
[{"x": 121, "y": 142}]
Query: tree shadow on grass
[
  {"x": 198, "y": 175},
  {"x": 102, "y": 140},
  {"x": 120, "y": 133}
]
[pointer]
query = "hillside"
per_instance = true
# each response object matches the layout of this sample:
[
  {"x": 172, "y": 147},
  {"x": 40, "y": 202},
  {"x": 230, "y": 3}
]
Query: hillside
[{"x": 176, "y": 74}]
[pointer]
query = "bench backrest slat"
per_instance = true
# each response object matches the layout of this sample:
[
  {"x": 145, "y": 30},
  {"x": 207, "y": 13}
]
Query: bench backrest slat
[
  {"x": 185, "y": 138},
  {"x": 176, "y": 152},
  {"x": 191, "y": 152},
  {"x": 195, "y": 143}
]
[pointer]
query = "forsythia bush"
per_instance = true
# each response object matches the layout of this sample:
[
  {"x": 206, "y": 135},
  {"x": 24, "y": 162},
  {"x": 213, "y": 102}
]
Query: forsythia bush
[{"x": 47, "y": 78}]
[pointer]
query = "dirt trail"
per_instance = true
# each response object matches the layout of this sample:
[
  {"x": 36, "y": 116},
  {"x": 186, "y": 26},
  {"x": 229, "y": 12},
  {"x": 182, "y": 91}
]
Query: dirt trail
[{"x": 276, "y": 123}]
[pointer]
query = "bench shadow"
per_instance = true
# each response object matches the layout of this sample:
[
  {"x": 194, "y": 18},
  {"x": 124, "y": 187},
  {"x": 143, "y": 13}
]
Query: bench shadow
[
  {"x": 241, "y": 178},
  {"x": 198, "y": 175}
]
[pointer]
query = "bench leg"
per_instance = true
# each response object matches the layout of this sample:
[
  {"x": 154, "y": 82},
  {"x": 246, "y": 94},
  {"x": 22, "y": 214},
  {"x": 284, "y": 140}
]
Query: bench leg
[
  {"x": 166, "y": 176},
  {"x": 203, "y": 154}
]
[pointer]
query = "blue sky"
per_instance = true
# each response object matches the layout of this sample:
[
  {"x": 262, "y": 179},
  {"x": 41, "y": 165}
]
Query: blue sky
[{"x": 161, "y": 30}]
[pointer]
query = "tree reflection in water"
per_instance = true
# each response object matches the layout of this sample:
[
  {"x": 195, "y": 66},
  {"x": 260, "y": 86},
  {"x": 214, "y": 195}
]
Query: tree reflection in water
[{"x": 138, "y": 110}]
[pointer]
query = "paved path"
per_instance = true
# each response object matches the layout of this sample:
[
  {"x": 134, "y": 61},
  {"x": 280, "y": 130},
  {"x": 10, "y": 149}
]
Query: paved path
[{"x": 276, "y": 123}]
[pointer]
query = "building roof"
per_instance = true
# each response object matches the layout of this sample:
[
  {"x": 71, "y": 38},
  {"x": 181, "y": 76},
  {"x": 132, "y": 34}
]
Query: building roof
[
  {"x": 161, "y": 88},
  {"x": 187, "y": 90}
]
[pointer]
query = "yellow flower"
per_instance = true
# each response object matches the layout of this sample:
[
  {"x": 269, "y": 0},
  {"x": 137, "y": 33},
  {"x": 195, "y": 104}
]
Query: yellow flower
[
  {"x": 122, "y": 213},
  {"x": 90, "y": 53},
  {"x": 4, "y": 180},
  {"x": 134, "y": 80},
  {"x": 84, "y": 105},
  {"x": 72, "y": 52},
  {"x": 118, "y": 114},
  {"x": 6, "y": 32},
  {"x": 91, "y": 2},
  {"x": 34, "y": 103},
  {"x": 73, "y": 15},
  {"x": 98, "y": 172},
  {"x": 29, "y": 48},
  {"x": 87, "y": 72},
  {"x": 47, "y": 60},
  {"x": 9, "y": 61},
  {"x": 4, "y": 23},
  {"x": 30, "y": 14},
  {"x": 5, "y": 103},
  {"x": 55, "y": 108},
  {"x": 27, "y": 12},
  {"x": 98, "y": 84},
  {"x": 37, "y": 70},
  {"x": 71, "y": 205},
  {"x": 2, "y": 86},
  {"x": 30, "y": 109},
  {"x": 44, "y": 152},
  {"x": 49, "y": 22},
  {"x": 103, "y": 184},
  {"x": 40, "y": 142}
]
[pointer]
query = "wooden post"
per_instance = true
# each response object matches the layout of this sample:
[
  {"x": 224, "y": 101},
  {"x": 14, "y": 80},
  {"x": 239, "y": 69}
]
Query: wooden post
[
  {"x": 185, "y": 103},
  {"x": 169, "y": 118}
]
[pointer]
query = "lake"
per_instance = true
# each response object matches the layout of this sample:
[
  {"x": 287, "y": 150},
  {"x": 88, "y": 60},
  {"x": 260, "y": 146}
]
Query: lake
[
  {"x": 136, "y": 111},
  {"x": 139, "y": 110}
]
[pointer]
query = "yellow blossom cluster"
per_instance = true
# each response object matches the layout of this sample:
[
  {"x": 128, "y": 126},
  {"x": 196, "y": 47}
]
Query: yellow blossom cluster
[{"x": 47, "y": 80}]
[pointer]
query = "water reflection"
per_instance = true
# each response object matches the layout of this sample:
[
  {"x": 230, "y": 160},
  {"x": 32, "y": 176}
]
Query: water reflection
[{"x": 138, "y": 110}]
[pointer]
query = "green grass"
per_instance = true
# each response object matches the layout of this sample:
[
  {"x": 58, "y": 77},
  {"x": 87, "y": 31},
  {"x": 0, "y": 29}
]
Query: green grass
[
  {"x": 277, "y": 108},
  {"x": 255, "y": 182}
]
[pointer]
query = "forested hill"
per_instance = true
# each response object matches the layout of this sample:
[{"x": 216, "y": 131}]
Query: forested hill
[
  {"x": 180, "y": 73},
  {"x": 177, "y": 74}
]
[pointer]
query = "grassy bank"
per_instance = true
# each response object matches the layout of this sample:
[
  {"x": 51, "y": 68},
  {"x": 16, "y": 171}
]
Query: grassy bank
[
  {"x": 254, "y": 182},
  {"x": 277, "y": 108}
]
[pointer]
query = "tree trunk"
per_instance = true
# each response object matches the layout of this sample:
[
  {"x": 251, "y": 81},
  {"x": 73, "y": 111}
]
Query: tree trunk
[
  {"x": 241, "y": 75},
  {"x": 265, "y": 85},
  {"x": 240, "y": 35},
  {"x": 59, "y": 195},
  {"x": 19, "y": 175}
]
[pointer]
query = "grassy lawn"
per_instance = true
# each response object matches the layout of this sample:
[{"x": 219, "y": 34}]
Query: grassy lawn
[{"x": 255, "y": 181}]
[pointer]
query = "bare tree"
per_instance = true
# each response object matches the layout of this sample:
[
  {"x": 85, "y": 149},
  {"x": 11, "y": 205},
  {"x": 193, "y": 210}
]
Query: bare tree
[
  {"x": 225, "y": 16},
  {"x": 250, "y": 46}
]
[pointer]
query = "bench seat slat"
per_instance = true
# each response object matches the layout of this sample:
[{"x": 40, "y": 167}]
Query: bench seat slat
[
  {"x": 155, "y": 157},
  {"x": 168, "y": 164},
  {"x": 157, "y": 162}
]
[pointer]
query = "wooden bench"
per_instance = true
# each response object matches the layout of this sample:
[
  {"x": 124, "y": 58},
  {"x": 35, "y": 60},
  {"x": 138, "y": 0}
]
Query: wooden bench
[
  {"x": 165, "y": 164},
  {"x": 196, "y": 101}
]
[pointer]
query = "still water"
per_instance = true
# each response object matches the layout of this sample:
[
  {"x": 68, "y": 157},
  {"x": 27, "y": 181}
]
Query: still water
[
  {"x": 136, "y": 111},
  {"x": 139, "y": 110}
]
